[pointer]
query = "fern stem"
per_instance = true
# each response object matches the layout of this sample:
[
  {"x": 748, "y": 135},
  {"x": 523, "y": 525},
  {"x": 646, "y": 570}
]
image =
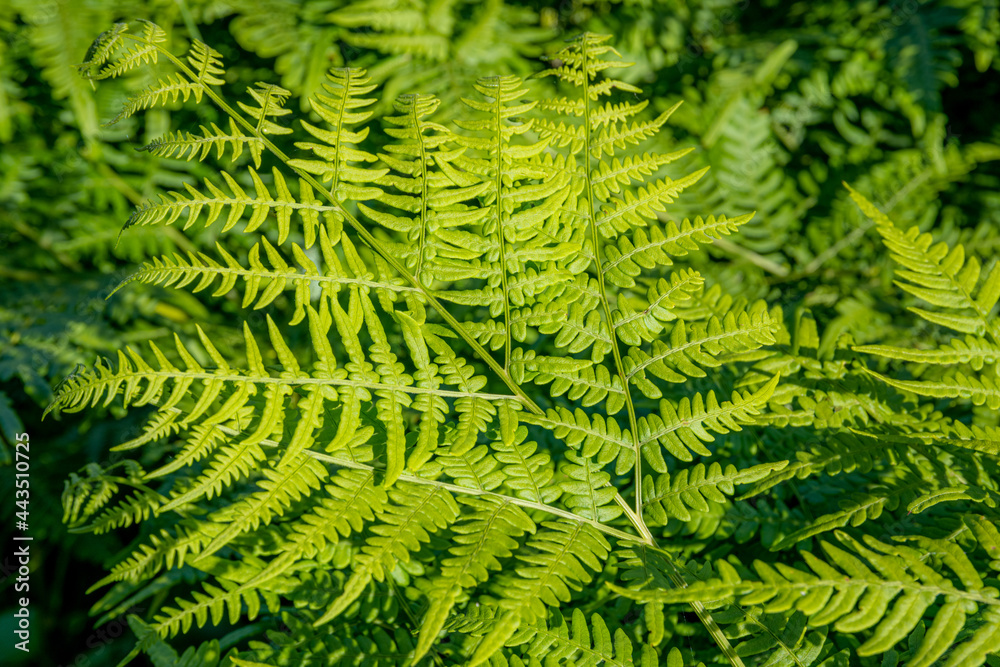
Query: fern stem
[
  {"x": 423, "y": 190},
  {"x": 500, "y": 240},
  {"x": 699, "y": 609},
  {"x": 635, "y": 517},
  {"x": 291, "y": 382},
  {"x": 640, "y": 525},
  {"x": 703, "y": 614}
]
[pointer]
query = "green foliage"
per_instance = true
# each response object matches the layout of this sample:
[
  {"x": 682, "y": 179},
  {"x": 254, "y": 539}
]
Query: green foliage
[
  {"x": 364, "y": 439},
  {"x": 460, "y": 366}
]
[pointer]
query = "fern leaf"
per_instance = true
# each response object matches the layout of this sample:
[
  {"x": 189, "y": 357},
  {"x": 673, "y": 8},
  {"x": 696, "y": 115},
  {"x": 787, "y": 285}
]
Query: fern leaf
[
  {"x": 564, "y": 553},
  {"x": 528, "y": 472},
  {"x": 980, "y": 390},
  {"x": 163, "y": 550},
  {"x": 403, "y": 524},
  {"x": 340, "y": 104},
  {"x": 888, "y": 591},
  {"x": 974, "y": 350},
  {"x": 698, "y": 344},
  {"x": 941, "y": 276},
  {"x": 691, "y": 489},
  {"x": 561, "y": 640},
  {"x": 488, "y": 534},
  {"x": 112, "y": 55},
  {"x": 588, "y": 491},
  {"x": 682, "y": 428},
  {"x": 592, "y": 435},
  {"x": 188, "y": 146},
  {"x": 633, "y": 326},
  {"x": 281, "y": 486},
  {"x": 646, "y": 250},
  {"x": 215, "y": 603},
  {"x": 137, "y": 507}
]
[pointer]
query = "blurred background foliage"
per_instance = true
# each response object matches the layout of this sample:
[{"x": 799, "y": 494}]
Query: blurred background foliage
[{"x": 784, "y": 100}]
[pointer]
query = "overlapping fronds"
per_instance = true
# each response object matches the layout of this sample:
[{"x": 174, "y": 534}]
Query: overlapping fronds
[
  {"x": 575, "y": 640},
  {"x": 869, "y": 586},
  {"x": 964, "y": 296},
  {"x": 941, "y": 276},
  {"x": 486, "y": 375}
]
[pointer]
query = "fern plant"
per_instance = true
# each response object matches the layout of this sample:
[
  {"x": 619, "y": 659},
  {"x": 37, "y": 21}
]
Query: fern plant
[
  {"x": 473, "y": 405},
  {"x": 931, "y": 586}
]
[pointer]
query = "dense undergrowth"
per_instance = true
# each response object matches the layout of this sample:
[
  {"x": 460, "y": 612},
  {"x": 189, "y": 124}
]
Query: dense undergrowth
[{"x": 422, "y": 364}]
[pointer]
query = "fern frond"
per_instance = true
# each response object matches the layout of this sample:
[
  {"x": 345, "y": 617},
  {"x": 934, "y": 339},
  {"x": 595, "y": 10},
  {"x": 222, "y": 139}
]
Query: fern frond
[
  {"x": 230, "y": 463},
  {"x": 694, "y": 345},
  {"x": 223, "y": 600},
  {"x": 188, "y": 146},
  {"x": 103, "y": 48},
  {"x": 630, "y": 169},
  {"x": 202, "y": 441},
  {"x": 857, "y": 508},
  {"x": 84, "y": 496},
  {"x": 483, "y": 537},
  {"x": 170, "y": 88},
  {"x": 541, "y": 240},
  {"x": 633, "y": 326},
  {"x": 563, "y": 555},
  {"x": 341, "y": 105},
  {"x": 262, "y": 285},
  {"x": 487, "y": 534},
  {"x": 859, "y": 451},
  {"x": 974, "y": 350},
  {"x": 646, "y": 250},
  {"x": 882, "y": 588},
  {"x": 269, "y": 107},
  {"x": 691, "y": 489},
  {"x": 137, "y": 507},
  {"x": 282, "y": 485},
  {"x": 557, "y": 639},
  {"x": 579, "y": 379},
  {"x": 521, "y": 234},
  {"x": 404, "y": 523},
  {"x": 206, "y": 63},
  {"x": 163, "y": 550},
  {"x": 111, "y": 55},
  {"x": 591, "y": 435},
  {"x": 588, "y": 491},
  {"x": 475, "y": 469},
  {"x": 941, "y": 276},
  {"x": 528, "y": 472},
  {"x": 636, "y": 211},
  {"x": 353, "y": 499},
  {"x": 161, "y": 425},
  {"x": 172, "y": 206},
  {"x": 982, "y": 390},
  {"x": 683, "y": 427},
  {"x": 422, "y": 185}
]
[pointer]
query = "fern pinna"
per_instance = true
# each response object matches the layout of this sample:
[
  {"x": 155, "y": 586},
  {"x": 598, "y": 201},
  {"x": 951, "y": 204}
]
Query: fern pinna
[{"x": 473, "y": 407}]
